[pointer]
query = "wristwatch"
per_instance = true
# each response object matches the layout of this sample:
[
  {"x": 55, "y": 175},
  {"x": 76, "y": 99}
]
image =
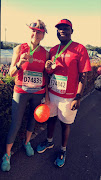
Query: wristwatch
[
  {"x": 78, "y": 96},
  {"x": 18, "y": 68}
]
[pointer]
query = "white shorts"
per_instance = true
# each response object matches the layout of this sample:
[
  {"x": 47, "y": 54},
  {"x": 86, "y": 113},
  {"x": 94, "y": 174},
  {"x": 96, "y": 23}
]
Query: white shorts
[{"x": 61, "y": 107}]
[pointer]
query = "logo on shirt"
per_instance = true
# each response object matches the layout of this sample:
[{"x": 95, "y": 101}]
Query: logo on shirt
[
  {"x": 39, "y": 61},
  {"x": 65, "y": 55}
]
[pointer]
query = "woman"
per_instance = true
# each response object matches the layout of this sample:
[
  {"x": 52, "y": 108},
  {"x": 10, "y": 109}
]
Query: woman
[{"x": 28, "y": 65}]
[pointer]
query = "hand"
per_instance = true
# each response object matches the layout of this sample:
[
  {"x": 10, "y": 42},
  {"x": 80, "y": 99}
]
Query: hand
[
  {"x": 75, "y": 104},
  {"x": 47, "y": 99},
  {"x": 48, "y": 65},
  {"x": 23, "y": 58}
]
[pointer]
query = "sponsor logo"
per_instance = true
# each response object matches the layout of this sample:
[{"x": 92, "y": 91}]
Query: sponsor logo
[{"x": 38, "y": 60}]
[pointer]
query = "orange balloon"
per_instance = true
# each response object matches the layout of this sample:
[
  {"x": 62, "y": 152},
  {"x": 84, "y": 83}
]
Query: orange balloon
[
  {"x": 41, "y": 113},
  {"x": 99, "y": 70}
]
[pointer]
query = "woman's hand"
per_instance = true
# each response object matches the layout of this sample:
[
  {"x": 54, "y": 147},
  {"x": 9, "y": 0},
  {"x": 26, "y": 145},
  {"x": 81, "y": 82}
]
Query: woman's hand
[{"x": 23, "y": 58}]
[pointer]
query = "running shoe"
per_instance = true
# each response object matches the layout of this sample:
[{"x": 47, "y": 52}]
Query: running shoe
[
  {"x": 29, "y": 149},
  {"x": 44, "y": 145},
  {"x": 60, "y": 160},
  {"x": 5, "y": 166}
]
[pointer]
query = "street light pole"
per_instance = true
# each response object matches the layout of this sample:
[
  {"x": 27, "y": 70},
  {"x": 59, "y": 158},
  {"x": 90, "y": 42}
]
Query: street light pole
[{"x": 5, "y": 35}]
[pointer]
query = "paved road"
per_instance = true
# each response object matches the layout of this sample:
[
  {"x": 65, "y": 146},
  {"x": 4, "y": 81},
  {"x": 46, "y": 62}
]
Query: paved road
[{"x": 83, "y": 154}]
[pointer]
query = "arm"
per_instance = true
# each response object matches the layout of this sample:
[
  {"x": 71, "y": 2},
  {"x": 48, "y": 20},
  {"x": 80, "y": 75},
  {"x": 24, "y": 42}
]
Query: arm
[
  {"x": 83, "y": 66},
  {"x": 82, "y": 81},
  {"x": 17, "y": 60},
  {"x": 46, "y": 80},
  {"x": 48, "y": 66}
]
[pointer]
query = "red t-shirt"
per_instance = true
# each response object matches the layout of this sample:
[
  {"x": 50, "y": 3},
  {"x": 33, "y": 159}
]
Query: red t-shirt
[
  {"x": 65, "y": 77},
  {"x": 31, "y": 72}
]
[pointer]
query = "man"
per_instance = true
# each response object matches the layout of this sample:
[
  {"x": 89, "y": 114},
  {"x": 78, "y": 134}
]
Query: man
[{"x": 68, "y": 68}]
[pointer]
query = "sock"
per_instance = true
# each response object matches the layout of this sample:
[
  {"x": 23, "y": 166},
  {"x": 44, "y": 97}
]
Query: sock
[
  {"x": 49, "y": 139},
  {"x": 63, "y": 148}
]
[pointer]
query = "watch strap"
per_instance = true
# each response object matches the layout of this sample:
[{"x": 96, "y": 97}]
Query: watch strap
[
  {"x": 18, "y": 68},
  {"x": 78, "y": 96}
]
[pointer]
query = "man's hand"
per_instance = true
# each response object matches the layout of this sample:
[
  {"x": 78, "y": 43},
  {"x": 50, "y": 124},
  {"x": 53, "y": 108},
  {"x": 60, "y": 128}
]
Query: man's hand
[
  {"x": 48, "y": 65},
  {"x": 75, "y": 104}
]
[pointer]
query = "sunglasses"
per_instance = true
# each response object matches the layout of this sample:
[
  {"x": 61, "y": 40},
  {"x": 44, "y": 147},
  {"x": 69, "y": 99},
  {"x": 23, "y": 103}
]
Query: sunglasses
[{"x": 33, "y": 25}]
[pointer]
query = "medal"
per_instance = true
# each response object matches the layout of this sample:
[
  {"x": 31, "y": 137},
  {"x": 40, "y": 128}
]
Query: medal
[{"x": 53, "y": 65}]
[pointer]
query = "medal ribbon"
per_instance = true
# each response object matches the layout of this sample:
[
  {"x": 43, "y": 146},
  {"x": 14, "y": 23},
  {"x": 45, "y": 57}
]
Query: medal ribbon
[
  {"x": 57, "y": 55},
  {"x": 32, "y": 52}
]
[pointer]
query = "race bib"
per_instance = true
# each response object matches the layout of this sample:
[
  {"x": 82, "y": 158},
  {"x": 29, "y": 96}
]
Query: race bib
[
  {"x": 58, "y": 83},
  {"x": 32, "y": 79}
]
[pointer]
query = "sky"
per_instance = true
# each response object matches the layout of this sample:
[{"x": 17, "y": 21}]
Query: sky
[{"x": 84, "y": 15}]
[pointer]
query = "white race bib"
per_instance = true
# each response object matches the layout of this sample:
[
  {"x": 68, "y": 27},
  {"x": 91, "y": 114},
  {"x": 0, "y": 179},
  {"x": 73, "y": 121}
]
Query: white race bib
[
  {"x": 58, "y": 83},
  {"x": 32, "y": 79}
]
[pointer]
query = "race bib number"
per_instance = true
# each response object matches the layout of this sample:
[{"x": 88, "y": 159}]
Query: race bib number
[
  {"x": 58, "y": 83},
  {"x": 32, "y": 79}
]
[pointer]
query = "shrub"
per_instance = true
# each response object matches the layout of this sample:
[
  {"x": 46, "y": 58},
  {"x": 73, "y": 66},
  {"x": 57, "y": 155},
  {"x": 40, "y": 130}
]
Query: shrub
[
  {"x": 8, "y": 80},
  {"x": 5, "y": 112},
  {"x": 91, "y": 76}
]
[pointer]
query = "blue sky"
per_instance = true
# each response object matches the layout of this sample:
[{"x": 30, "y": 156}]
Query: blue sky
[{"x": 85, "y": 16}]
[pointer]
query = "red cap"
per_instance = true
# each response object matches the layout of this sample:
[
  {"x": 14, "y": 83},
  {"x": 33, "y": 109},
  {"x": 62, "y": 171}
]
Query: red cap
[
  {"x": 42, "y": 30},
  {"x": 34, "y": 26},
  {"x": 64, "y": 21}
]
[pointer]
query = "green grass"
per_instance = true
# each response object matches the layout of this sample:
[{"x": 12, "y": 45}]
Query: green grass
[{"x": 7, "y": 79}]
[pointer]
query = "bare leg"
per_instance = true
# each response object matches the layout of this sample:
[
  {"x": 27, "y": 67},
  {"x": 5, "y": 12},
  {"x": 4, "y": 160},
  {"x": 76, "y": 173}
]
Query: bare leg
[
  {"x": 51, "y": 126},
  {"x": 65, "y": 133},
  {"x": 8, "y": 148}
]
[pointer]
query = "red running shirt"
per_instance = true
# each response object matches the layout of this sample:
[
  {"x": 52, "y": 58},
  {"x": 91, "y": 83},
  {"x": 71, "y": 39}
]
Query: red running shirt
[
  {"x": 35, "y": 69},
  {"x": 65, "y": 77}
]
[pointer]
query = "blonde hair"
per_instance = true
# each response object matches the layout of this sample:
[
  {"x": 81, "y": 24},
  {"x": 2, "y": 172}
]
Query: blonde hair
[{"x": 41, "y": 25}]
